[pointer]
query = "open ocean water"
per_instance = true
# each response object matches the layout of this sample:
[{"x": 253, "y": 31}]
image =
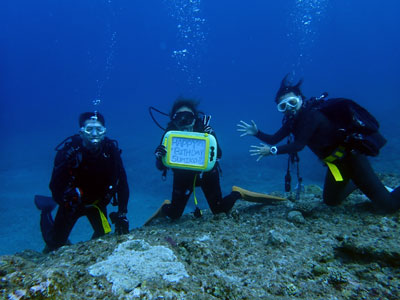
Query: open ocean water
[{"x": 58, "y": 57}]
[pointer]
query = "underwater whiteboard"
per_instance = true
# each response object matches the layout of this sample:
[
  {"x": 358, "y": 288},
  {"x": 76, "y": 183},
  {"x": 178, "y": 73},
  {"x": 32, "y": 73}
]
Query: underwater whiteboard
[{"x": 190, "y": 150}]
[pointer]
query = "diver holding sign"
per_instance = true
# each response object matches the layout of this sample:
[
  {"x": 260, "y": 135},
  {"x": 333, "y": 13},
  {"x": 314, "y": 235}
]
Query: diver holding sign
[
  {"x": 185, "y": 117},
  {"x": 193, "y": 163}
]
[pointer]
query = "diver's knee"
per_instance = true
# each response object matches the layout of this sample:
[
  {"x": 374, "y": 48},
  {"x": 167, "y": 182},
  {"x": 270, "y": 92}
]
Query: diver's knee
[
  {"x": 174, "y": 216},
  {"x": 172, "y": 212},
  {"x": 331, "y": 200}
]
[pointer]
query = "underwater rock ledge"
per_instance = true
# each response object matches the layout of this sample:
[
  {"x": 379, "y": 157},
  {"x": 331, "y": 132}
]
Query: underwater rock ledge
[{"x": 293, "y": 250}]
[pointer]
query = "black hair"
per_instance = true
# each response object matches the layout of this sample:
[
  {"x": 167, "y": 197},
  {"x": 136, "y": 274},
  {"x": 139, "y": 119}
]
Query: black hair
[
  {"x": 91, "y": 115},
  {"x": 180, "y": 102},
  {"x": 287, "y": 87}
]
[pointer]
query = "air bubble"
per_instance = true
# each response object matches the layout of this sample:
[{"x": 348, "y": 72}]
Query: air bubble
[
  {"x": 191, "y": 37},
  {"x": 305, "y": 18}
]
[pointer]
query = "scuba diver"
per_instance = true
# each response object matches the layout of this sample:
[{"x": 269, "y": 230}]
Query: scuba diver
[
  {"x": 88, "y": 174},
  {"x": 184, "y": 116},
  {"x": 320, "y": 125}
]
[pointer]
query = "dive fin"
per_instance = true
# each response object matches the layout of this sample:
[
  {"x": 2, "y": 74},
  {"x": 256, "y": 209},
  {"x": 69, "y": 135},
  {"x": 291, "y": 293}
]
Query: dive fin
[
  {"x": 256, "y": 197},
  {"x": 157, "y": 214},
  {"x": 389, "y": 188},
  {"x": 44, "y": 203}
]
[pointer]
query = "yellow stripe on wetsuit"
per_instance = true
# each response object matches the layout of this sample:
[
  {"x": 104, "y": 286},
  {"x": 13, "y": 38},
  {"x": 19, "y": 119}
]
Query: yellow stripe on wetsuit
[
  {"x": 338, "y": 154},
  {"x": 104, "y": 221},
  {"x": 194, "y": 190},
  {"x": 335, "y": 171}
]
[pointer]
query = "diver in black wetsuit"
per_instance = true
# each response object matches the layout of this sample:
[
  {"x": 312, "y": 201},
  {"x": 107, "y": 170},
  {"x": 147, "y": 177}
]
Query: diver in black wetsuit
[
  {"x": 88, "y": 172},
  {"x": 312, "y": 128},
  {"x": 185, "y": 117}
]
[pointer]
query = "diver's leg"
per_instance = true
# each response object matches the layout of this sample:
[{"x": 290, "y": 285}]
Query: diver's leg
[
  {"x": 94, "y": 217},
  {"x": 336, "y": 191},
  {"x": 47, "y": 226},
  {"x": 368, "y": 182},
  {"x": 181, "y": 191},
  {"x": 58, "y": 234},
  {"x": 210, "y": 185},
  {"x": 395, "y": 194}
]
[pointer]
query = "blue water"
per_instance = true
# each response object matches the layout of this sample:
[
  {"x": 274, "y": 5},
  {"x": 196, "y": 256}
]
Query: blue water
[{"x": 59, "y": 56}]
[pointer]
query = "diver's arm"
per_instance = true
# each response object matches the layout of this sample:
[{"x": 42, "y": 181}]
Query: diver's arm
[
  {"x": 283, "y": 132},
  {"x": 122, "y": 188},
  {"x": 307, "y": 127},
  {"x": 294, "y": 147},
  {"x": 203, "y": 125},
  {"x": 219, "y": 150},
  {"x": 159, "y": 165},
  {"x": 61, "y": 177},
  {"x": 159, "y": 153}
]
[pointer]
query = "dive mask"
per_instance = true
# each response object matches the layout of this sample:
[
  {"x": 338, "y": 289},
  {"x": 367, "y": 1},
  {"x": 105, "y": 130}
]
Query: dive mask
[
  {"x": 93, "y": 131},
  {"x": 289, "y": 104},
  {"x": 183, "y": 118}
]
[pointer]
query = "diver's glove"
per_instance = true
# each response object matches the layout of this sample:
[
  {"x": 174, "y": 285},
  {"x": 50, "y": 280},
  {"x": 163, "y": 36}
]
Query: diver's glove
[
  {"x": 206, "y": 125},
  {"x": 72, "y": 199},
  {"x": 121, "y": 222},
  {"x": 73, "y": 157},
  {"x": 160, "y": 152}
]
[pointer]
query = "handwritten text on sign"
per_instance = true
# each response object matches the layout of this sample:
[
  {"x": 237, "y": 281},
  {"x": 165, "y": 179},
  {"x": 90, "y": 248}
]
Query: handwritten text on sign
[{"x": 188, "y": 151}]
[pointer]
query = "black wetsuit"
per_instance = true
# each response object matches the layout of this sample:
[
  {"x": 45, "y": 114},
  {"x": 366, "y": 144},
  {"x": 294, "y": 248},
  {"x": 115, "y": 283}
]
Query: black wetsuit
[
  {"x": 99, "y": 176},
  {"x": 312, "y": 128},
  {"x": 208, "y": 181}
]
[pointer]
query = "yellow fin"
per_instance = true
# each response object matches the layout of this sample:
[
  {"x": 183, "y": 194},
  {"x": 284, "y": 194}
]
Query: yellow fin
[
  {"x": 256, "y": 197},
  {"x": 157, "y": 214}
]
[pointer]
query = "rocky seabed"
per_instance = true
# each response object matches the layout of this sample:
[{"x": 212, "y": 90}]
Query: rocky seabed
[{"x": 291, "y": 250}]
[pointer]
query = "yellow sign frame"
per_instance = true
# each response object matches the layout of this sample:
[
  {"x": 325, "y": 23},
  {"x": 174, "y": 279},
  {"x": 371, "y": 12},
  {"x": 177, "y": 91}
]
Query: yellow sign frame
[{"x": 210, "y": 151}]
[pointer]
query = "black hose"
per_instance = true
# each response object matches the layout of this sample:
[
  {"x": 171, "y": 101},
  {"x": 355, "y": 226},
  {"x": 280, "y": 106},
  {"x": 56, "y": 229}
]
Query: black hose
[{"x": 151, "y": 108}]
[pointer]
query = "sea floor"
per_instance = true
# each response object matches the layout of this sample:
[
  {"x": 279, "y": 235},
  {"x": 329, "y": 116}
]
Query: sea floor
[
  {"x": 290, "y": 250},
  {"x": 21, "y": 179}
]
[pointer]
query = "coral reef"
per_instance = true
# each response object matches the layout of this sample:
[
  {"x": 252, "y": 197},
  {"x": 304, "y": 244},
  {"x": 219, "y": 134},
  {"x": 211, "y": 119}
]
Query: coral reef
[{"x": 292, "y": 250}]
